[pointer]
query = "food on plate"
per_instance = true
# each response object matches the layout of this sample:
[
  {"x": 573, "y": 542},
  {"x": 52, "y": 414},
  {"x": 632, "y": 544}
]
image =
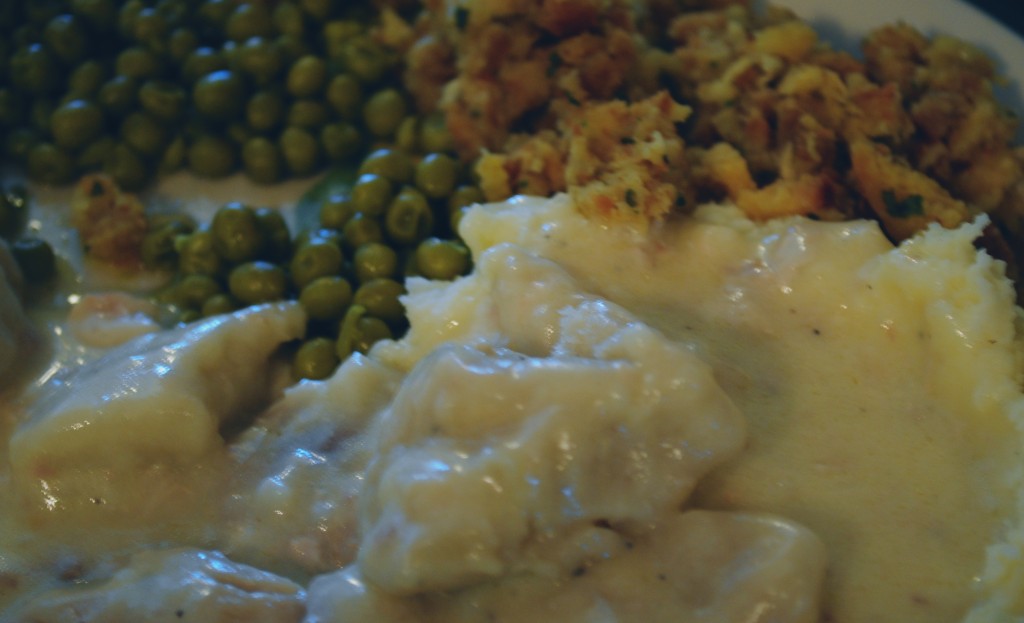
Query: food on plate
[{"x": 723, "y": 326}]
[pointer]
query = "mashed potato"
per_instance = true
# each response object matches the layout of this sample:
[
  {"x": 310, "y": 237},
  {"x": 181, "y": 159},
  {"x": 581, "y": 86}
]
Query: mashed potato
[{"x": 718, "y": 420}]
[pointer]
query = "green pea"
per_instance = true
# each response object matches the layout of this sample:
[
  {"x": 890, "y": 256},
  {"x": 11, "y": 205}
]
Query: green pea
[
  {"x": 118, "y": 96},
  {"x": 336, "y": 210},
  {"x": 301, "y": 151},
  {"x": 76, "y": 124},
  {"x": 442, "y": 259},
  {"x": 345, "y": 95},
  {"x": 126, "y": 17},
  {"x": 384, "y": 111},
  {"x": 310, "y": 114},
  {"x": 182, "y": 42},
  {"x": 316, "y": 258},
  {"x": 174, "y": 156},
  {"x": 409, "y": 218},
  {"x": 49, "y": 164},
  {"x": 249, "y": 20},
  {"x": 41, "y": 112},
  {"x": 288, "y": 19},
  {"x": 93, "y": 155},
  {"x": 127, "y": 167},
  {"x": 464, "y": 196},
  {"x": 35, "y": 258},
  {"x": 257, "y": 282},
  {"x": 336, "y": 33},
  {"x": 19, "y": 142},
  {"x": 315, "y": 360},
  {"x": 407, "y": 134},
  {"x": 219, "y": 95},
  {"x": 194, "y": 290},
  {"x": 434, "y": 135},
  {"x": 211, "y": 157},
  {"x": 292, "y": 48},
  {"x": 265, "y": 111},
  {"x": 144, "y": 133},
  {"x": 214, "y": 13},
  {"x": 371, "y": 194},
  {"x": 274, "y": 229},
  {"x": 455, "y": 218},
  {"x": 307, "y": 77},
  {"x": 326, "y": 298},
  {"x": 261, "y": 59},
  {"x": 361, "y": 229},
  {"x": 341, "y": 141},
  {"x": 237, "y": 236},
  {"x": 202, "y": 61},
  {"x": 218, "y": 304},
  {"x": 436, "y": 175},
  {"x": 358, "y": 332},
  {"x": 159, "y": 247},
  {"x": 394, "y": 164},
  {"x": 151, "y": 28},
  {"x": 262, "y": 160},
  {"x": 366, "y": 59},
  {"x": 374, "y": 261},
  {"x": 380, "y": 298},
  {"x": 101, "y": 15},
  {"x": 33, "y": 69},
  {"x": 138, "y": 62},
  {"x": 65, "y": 36},
  {"x": 197, "y": 254},
  {"x": 320, "y": 233},
  {"x": 318, "y": 10},
  {"x": 87, "y": 78},
  {"x": 164, "y": 100}
]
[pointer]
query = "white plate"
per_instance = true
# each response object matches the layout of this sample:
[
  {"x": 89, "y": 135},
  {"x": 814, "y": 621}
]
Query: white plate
[{"x": 844, "y": 22}]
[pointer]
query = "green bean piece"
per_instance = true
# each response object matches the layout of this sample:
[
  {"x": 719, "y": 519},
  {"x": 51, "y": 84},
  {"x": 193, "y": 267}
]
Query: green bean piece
[
  {"x": 394, "y": 164},
  {"x": 262, "y": 160},
  {"x": 274, "y": 229},
  {"x": 218, "y": 304},
  {"x": 371, "y": 194},
  {"x": 257, "y": 282},
  {"x": 442, "y": 259},
  {"x": 237, "y": 236},
  {"x": 384, "y": 111},
  {"x": 36, "y": 259},
  {"x": 361, "y": 229},
  {"x": 197, "y": 254},
  {"x": 409, "y": 218},
  {"x": 436, "y": 175},
  {"x": 211, "y": 157},
  {"x": 219, "y": 95},
  {"x": 315, "y": 360},
  {"x": 336, "y": 210},
  {"x": 301, "y": 151},
  {"x": 316, "y": 258},
  {"x": 307, "y": 77},
  {"x": 380, "y": 298},
  {"x": 326, "y": 298},
  {"x": 374, "y": 260},
  {"x": 76, "y": 124}
]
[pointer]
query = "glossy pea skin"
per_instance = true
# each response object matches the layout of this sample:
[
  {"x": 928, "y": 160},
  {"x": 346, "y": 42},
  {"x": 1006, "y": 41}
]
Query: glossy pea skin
[
  {"x": 87, "y": 78},
  {"x": 436, "y": 175},
  {"x": 118, "y": 96},
  {"x": 380, "y": 298},
  {"x": 306, "y": 77},
  {"x": 373, "y": 261},
  {"x": 409, "y": 218},
  {"x": 211, "y": 157},
  {"x": 257, "y": 282},
  {"x": 326, "y": 298},
  {"x": 345, "y": 95},
  {"x": 219, "y": 95},
  {"x": 262, "y": 160},
  {"x": 194, "y": 290},
  {"x": 277, "y": 245},
  {"x": 237, "y": 236},
  {"x": 316, "y": 258},
  {"x": 383, "y": 112},
  {"x": 218, "y": 304},
  {"x": 371, "y": 194},
  {"x": 358, "y": 332},
  {"x": 442, "y": 259},
  {"x": 361, "y": 229},
  {"x": 76, "y": 123},
  {"x": 315, "y": 359},
  {"x": 394, "y": 164},
  {"x": 301, "y": 151},
  {"x": 197, "y": 254},
  {"x": 336, "y": 211},
  {"x": 159, "y": 245}
]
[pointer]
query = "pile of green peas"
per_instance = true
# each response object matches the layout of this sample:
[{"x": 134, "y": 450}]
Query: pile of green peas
[
  {"x": 347, "y": 272},
  {"x": 140, "y": 88}
]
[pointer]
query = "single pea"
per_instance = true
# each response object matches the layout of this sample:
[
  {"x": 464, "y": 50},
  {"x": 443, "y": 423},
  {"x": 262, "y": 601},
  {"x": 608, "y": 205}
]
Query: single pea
[
  {"x": 238, "y": 133},
  {"x": 182, "y": 42},
  {"x": 211, "y": 157},
  {"x": 265, "y": 111},
  {"x": 336, "y": 210},
  {"x": 274, "y": 229},
  {"x": 19, "y": 142},
  {"x": 366, "y": 59},
  {"x": 126, "y": 17},
  {"x": 307, "y": 77},
  {"x": 249, "y": 20},
  {"x": 394, "y": 164},
  {"x": 49, "y": 164},
  {"x": 316, "y": 258},
  {"x": 373, "y": 261},
  {"x": 436, "y": 175},
  {"x": 261, "y": 60},
  {"x": 407, "y": 134},
  {"x": 237, "y": 236},
  {"x": 87, "y": 78},
  {"x": 138, "y": 62},
  {"x": 318, "y": 10},
  {"x": 151, "y": 28},
  {"x": 93, "y": 155},
  {"x": 341, "y": 141},
  {"x": 288, "y": 19},
  {"x": 202, "y": 61},
  {"x": 219, "y": 95},
  {"x": 434, "y": 135},
  {"x": 194, "y": 290},
  {"x": 409, "y": 218},
  {"x": 301, "y": 151},
  {"x": 371, "y": 194},
  {"x": 101, "y": 15},
  {"x": 326, "y": 298},
  {"x": 348, "y": 332},
  {"x": 189, "y": 316},
  {"x": 32, "y": 69},
  {"x": 292, "y": 48},
  {"x": 380, "y": 298},
  {"x": 66, "y": 37},
  {"x": 117, "y": 96},
  {"x": 197, "y": 254},
  {"x": 257, "y": 282},
  {"x": 464, "y": 196},
  {"x": 35, "y": 258},
  {"x": 311, "y": 114},
  {"x": 12, "y": 108},
  {"x": 162, "y": 99},
  {"x": 442, "y": 259},
  {"x": 213, "y": 14},
  {"x": 75, "y": 124},
  {"x": 144, "y": 133},
  {"x": 127, "y": 167},
  {"x": 369, "y": 331},
  {"x": 361, "y": 229},
  {"x": 218, "y": 304},
  {"x": 384, "y": 111},
  {"x": 174, "y": 155},
  {"x": 345, "y": 95},
  {"x": 40, "y": 113},
  {"x": 318, "y": 233},
  {"x": 315, "y": 359},
  {"x": 336, "y": 33},
  {"x": 159, "y": 249},
  {"x": 455, "y": 218},
  {"x": 262, "y": 160}
]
